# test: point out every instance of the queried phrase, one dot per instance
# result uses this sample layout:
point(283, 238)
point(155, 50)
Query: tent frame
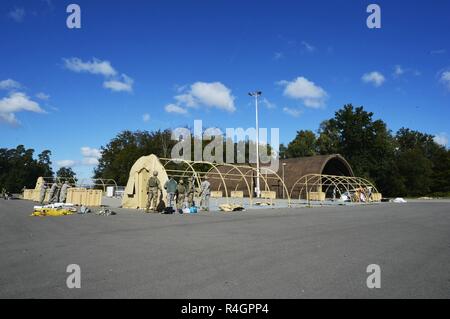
point(233, 173)
point(91, 182)
point(323, 183)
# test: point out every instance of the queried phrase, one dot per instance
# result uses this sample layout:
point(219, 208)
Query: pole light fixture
point(256, 94)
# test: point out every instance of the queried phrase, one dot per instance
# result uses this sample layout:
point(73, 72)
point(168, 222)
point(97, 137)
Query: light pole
point(284, 164)
point(256, 94)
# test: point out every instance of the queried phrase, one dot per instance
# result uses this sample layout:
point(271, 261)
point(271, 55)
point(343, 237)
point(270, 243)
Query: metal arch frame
point(243, 177)
point(214, 170)
point(272, 172)
point(279, 179)
point(58, 179)
point(194, 172)
point(349, 183)
point(234, 167)
point(104, 182)
point(191, 164)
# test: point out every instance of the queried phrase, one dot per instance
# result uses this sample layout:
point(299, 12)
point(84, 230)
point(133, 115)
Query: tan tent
point(135, 195)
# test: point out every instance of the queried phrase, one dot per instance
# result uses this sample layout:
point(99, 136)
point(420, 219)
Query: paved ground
point(274, 253)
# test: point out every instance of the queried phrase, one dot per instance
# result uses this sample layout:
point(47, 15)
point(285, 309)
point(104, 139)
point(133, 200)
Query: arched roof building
point(294, 168)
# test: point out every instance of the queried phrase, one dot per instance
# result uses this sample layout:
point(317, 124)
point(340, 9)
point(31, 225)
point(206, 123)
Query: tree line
point(19, 169)
point(407, 163)
point(404, 163)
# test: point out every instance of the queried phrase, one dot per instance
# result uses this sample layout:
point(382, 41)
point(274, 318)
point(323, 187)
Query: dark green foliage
point(119, 155)
point(304, 144)
point(19, 169)
point(66, 174)
point(408, 163)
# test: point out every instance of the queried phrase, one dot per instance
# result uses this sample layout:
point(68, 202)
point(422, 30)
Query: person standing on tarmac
point(153, 187)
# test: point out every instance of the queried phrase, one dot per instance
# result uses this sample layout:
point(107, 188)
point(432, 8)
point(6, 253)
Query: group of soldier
point(57, 192)
point(179, 195)
point(5, 194)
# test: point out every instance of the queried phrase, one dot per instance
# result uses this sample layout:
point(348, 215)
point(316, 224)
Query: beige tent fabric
point(34, 194)
point(39, 183)
point(135, 195)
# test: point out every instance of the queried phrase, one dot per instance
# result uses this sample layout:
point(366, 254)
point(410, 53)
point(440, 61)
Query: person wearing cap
point(42, 193)
point(205, 193)
point(191, 192)
point(171, 187)
point(63, 193)
point(53, 193)
point(181, 194)
point(153, 187)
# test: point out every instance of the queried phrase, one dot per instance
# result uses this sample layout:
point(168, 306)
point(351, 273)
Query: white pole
point(258, 192)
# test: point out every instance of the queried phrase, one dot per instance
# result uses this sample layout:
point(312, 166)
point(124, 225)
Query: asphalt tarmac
point(319, 252)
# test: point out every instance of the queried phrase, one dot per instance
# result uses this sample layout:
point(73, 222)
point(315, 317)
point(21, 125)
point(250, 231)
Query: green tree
point(423, 163)
point(366, 143)
point(304, 144)
point(119, 155)
point(19, 169)
point(45, 164)
point(416, 170)
point(66, 174)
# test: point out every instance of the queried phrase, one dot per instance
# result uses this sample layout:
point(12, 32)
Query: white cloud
point(292, 112)
point(375, 78)
point(301, 88)
point(66, 163)
point(267, 103)
point(213, 95)
point(17, 102)
point(18, 14)
point(95, 66)
point(9, 84)
point(398, 70)
point(43, 96)
point(90, 158)
point(89, 161)
point(87, 151)
point(124, 85)
point(146, 117)
point(9, 118)
point(113, 81)
point(186, 99)
point(173, 108)
point(441, 139)
point(308, 47)
point(445, 78)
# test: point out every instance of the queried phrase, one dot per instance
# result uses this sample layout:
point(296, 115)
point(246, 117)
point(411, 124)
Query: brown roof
point(295, 168)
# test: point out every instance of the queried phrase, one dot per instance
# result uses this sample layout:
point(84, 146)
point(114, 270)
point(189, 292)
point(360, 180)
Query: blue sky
point(162, 64)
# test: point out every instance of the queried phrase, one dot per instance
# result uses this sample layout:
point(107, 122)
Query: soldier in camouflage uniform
point(181, 194)
point(63, 192)
point(153, 188)
point(42, 193)
point(191, 192)
point(205, 193)
point(53, 195)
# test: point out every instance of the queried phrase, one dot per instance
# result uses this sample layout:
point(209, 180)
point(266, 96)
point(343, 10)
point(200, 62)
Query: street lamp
point(284, 164)
point(256, 94)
